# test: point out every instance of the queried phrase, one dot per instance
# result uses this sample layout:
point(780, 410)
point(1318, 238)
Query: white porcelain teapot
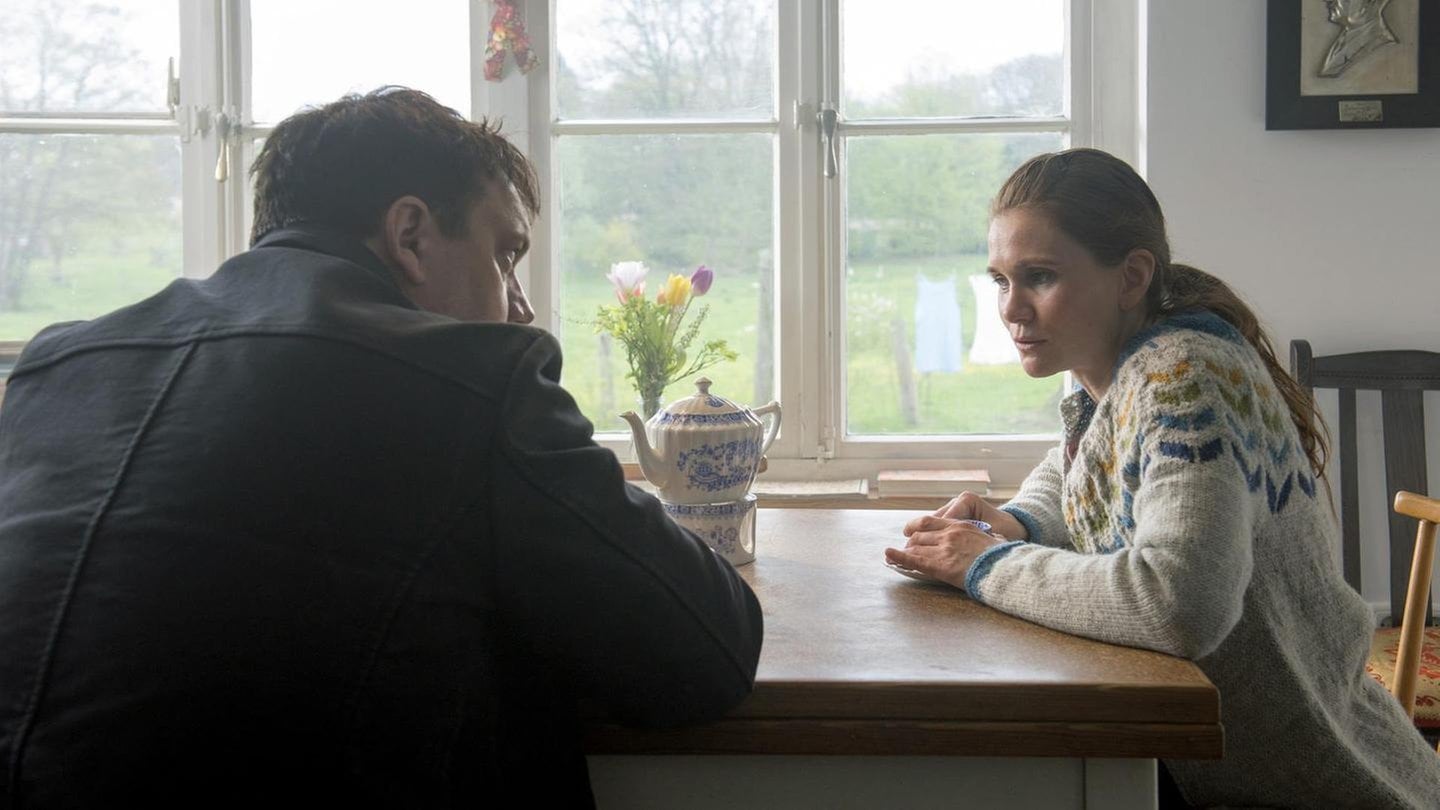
point(703, 448)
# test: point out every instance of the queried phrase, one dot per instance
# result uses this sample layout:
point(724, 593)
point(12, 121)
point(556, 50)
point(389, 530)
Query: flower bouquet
point(656, 338)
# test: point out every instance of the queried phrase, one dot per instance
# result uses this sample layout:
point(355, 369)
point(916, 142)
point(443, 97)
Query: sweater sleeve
point(1178, 586)
point(638, 614)
point(1037, 504)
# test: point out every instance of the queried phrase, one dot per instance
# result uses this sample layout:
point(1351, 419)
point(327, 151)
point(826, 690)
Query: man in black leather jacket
point(326, 526)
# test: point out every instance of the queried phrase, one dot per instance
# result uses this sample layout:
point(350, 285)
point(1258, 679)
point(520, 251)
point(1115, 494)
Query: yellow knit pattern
point(1193, 402)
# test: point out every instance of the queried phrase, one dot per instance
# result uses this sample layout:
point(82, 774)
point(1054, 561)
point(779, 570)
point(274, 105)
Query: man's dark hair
point(343, 164)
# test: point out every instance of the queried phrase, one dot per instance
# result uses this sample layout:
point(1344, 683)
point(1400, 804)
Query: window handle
point(222, 134)
point(172, 87)
point(829, 121)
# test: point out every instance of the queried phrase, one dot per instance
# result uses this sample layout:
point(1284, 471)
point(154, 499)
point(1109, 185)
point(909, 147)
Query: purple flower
point(701, 280)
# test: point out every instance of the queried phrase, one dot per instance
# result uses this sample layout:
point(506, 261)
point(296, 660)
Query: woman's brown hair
point(1099, 201)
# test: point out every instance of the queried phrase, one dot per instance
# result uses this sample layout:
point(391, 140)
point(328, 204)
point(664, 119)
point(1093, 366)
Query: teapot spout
point(655, 472)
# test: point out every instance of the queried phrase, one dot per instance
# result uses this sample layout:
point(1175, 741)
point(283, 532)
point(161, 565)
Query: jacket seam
point(397, 601)
point(228, 334)
point(402, 593)
point(47, 655)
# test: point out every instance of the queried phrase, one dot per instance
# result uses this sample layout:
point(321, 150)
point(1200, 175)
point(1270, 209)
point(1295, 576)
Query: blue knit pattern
point(983, 563)
point(1032, 526)
point(1188, 390)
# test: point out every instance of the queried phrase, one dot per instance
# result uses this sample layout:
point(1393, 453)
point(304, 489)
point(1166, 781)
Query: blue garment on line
point(938, 344)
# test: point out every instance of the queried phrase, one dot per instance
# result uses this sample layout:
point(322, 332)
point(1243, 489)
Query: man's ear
point(1136, 274)
point(404, 232)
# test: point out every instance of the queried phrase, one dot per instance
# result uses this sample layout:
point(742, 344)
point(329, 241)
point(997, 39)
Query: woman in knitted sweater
point(1182, 512)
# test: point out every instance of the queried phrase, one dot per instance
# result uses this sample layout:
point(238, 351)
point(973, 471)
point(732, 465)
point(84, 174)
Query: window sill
point(1009, 461)
point(849, 493)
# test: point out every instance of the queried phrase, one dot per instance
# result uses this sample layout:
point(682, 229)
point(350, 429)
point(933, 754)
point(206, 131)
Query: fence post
point(607, 378)
point(905, 370)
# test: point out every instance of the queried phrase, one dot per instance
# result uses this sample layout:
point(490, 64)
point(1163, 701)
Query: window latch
point(222, 133)
point(826, 448)
point(172, 87)
point(829, 120)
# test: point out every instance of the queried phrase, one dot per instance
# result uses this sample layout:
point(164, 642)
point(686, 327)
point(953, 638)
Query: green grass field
point(123, 267)
point(115, 267)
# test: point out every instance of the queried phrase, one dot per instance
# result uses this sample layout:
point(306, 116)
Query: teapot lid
point(703, 407)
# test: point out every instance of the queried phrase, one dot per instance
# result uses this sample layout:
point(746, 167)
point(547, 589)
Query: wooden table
point(921, 690)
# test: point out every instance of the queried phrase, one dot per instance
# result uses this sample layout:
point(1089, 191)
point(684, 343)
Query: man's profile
point(1362, 30)
point(324, 527)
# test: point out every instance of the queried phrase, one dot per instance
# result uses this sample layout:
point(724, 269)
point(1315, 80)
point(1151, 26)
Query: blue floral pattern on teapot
point(703, 448)
point(717, 467)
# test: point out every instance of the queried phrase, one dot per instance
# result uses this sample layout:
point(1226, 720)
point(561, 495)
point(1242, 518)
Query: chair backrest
point(1402, 377)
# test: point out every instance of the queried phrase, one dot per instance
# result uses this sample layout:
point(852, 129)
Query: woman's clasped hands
point(944, 544)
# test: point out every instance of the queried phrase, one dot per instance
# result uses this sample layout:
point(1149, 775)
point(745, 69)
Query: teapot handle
point(773, 408)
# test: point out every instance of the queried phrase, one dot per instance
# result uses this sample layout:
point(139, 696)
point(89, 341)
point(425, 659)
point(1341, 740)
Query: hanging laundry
point(938, 344)
point(992, 345)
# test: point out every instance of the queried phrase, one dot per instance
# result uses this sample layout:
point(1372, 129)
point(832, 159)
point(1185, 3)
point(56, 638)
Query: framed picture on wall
point(1352, 64)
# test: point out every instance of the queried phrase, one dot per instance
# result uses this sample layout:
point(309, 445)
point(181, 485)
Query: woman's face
point(1065, 311)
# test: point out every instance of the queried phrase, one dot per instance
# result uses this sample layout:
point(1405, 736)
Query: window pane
point(924, 59)
point(426, 47)
point(673, 202)
point(926, 349)
point(88, 223)
point(665, 59)
point(60, 57)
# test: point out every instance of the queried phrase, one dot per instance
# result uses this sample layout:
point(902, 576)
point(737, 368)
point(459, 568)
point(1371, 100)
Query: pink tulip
point(701, 280)
point(628, 278)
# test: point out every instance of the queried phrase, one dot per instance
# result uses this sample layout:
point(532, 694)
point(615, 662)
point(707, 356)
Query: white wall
point(1333, 236)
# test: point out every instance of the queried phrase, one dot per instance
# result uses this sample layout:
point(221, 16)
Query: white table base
point(895, 783)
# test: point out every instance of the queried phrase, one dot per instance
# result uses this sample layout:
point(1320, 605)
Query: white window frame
point(206, 77)
point(206, 233)
point(210, 119)
point(1102, 110)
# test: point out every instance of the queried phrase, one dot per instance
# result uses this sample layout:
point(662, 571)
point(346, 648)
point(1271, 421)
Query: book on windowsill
point(926, 483)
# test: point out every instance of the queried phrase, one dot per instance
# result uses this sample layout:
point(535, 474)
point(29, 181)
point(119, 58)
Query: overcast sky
point(427, 46)
point(885, 41)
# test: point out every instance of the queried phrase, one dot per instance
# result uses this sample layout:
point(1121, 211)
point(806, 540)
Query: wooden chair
point(1401, 377)
point(1412, 625)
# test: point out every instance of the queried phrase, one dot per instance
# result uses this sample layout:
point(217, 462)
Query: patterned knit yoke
point(1219, 408)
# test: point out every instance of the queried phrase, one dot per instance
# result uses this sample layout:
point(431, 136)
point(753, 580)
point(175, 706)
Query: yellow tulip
point(675, 292)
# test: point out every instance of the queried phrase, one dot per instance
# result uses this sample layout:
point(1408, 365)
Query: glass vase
point(650, 393)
